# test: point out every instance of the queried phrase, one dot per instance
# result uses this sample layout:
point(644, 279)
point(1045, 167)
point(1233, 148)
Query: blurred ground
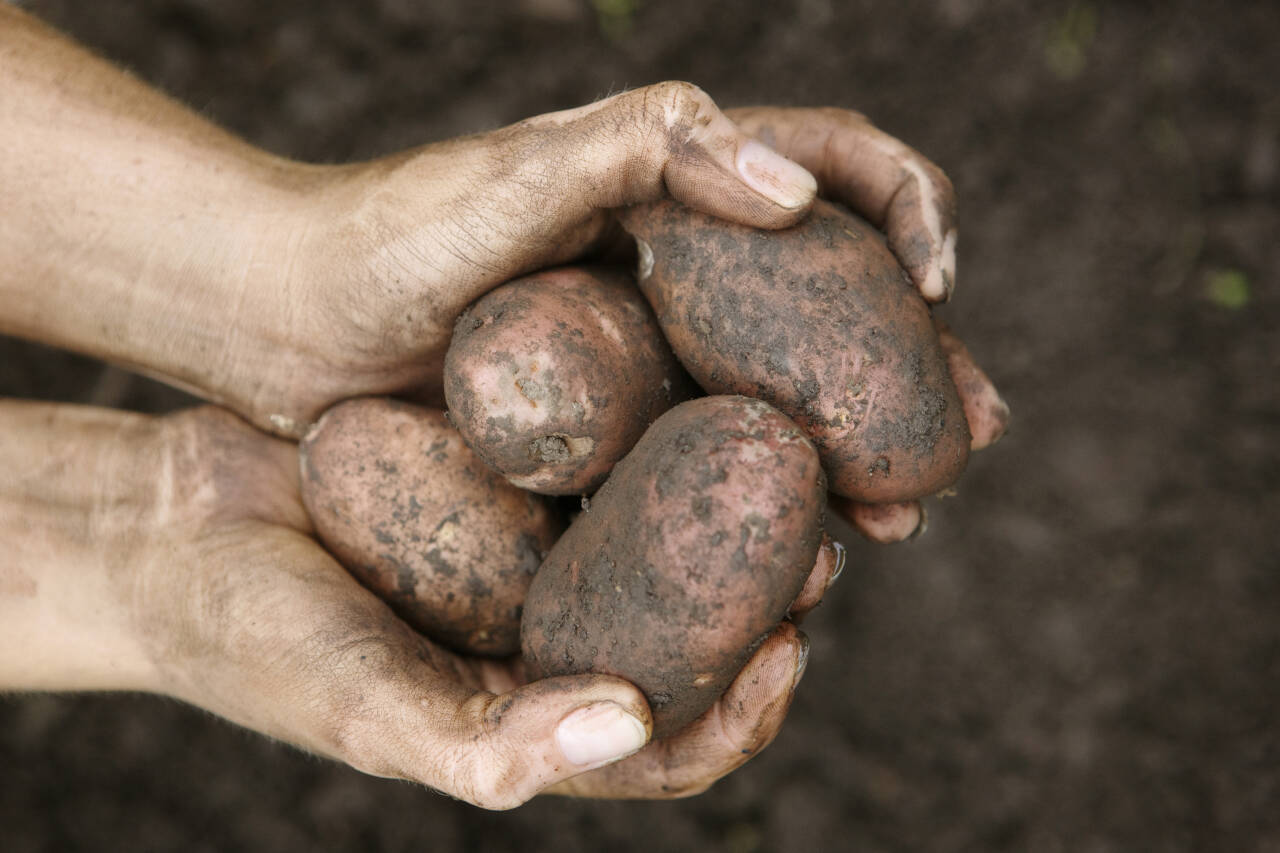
point(1083, 653)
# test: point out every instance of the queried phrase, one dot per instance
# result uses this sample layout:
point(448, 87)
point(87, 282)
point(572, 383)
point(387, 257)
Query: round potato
point(553, 377)
point(403, 503)
point(820, 321)
point(686, 558)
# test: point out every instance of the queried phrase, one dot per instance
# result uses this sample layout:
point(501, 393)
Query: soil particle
point(549, 448)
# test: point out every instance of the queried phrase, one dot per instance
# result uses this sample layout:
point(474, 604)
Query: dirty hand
point(141, 233)
point(174, 555)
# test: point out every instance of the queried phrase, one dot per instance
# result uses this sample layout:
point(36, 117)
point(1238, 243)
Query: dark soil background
point(1083, 653)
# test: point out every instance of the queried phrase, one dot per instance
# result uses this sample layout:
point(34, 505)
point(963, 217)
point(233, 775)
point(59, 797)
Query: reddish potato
point(820, 321)
point(553, 377)
point(402, 502)
point(685, 560)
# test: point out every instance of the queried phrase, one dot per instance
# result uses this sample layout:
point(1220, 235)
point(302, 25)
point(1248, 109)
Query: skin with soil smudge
point(402, 502)
point(687, 557)
point(820, 321)
point(553, 377)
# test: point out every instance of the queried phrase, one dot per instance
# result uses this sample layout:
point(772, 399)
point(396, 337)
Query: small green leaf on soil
point(1228, 288)
point(1066, 50)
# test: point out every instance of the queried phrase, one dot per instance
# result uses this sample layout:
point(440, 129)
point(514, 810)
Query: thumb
point(509, 747)
point(442, 225)
point(665, 139)
point(498, 750)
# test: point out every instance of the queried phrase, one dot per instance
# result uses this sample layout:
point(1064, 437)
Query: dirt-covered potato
point(820, 321)
point(685, 559)
point(403, 503)
point(553, 377)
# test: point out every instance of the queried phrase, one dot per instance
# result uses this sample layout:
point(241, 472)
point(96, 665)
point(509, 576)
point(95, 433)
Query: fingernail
point(947, 263)
point(802, 661)
point(1003, 414)
point(599, 733)
point(922, 526)
point(644, 260)
point(841, 556)
point(770, 174)
point(998, 413)
point(940, 275)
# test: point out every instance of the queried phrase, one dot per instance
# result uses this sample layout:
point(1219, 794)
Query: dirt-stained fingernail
point(922, 526)
point(767, 172)
point(947, 263)
point(802, 661)
point(841, 555)
point(1002, 415)
point(644, 260)
point(599, 733)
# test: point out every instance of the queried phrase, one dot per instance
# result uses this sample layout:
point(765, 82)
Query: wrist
point(137, 232)
point(74, 515)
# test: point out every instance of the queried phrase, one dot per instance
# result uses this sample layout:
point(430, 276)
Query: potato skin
point(820, 321)
point(686, 558)
point(411, 512)
point(553, 377)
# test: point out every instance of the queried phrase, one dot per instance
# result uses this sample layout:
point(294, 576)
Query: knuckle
point(193, 479)
point(211, 467)
point(490, 776)
point(839, 116)
point(677, 107)
point(681, 93)
point(495, 799)
point(351, 739)
point(691, 789)
point(942, 184)
point(681, 783)
point(485, 768)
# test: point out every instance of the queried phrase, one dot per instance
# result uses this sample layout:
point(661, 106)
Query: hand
point(549, 183)
point(279, 288)
point(138, 232)
point(443, 224)
point(174, 555)
point(541, 196)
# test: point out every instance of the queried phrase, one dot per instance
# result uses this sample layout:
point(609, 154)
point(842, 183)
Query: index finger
point(889, 183)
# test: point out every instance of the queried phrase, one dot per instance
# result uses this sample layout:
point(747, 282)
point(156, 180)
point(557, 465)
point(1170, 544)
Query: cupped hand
point(157, 240)
point(439, 226)
point(396, 248)
point(237, 609)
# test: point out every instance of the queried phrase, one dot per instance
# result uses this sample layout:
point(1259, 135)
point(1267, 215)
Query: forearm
point(68, 501)
point(135, 231)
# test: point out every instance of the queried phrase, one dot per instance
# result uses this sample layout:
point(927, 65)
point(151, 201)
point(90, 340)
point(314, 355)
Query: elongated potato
point(553, 377)
point(820, 321)
point(686, 558)
point(406, 506)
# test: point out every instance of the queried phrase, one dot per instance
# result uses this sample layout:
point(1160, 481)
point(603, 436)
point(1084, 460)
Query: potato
point(685, 559)
point(411, 512)
point(820, 321)
point(553, 377)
